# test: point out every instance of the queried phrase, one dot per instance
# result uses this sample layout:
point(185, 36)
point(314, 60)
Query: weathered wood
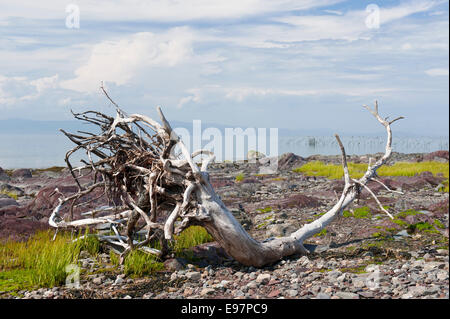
point(154, 185)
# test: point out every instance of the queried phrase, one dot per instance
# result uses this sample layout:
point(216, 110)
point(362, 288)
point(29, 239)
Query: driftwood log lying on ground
point(150, 187)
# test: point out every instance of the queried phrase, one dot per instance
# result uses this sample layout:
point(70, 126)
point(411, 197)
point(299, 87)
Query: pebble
point(194, 275)
point(263, 279)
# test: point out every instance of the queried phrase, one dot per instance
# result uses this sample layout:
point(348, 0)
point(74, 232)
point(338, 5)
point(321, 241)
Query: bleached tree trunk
point(180, 183)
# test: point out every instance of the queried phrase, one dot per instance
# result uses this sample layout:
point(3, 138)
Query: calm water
point(39, 151)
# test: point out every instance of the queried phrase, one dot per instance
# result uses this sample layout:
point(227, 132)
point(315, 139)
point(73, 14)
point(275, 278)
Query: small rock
point(274, 293)
point(98, 280)
point(263, 279)
point(347, 295)
point(173, 264)
point(118, 281)
point(207, 291)
point(292, 292)
point(194, 275)
point(322, 295)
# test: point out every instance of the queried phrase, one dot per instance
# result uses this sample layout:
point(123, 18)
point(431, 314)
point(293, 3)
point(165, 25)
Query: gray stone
point(263, 278)
point(193, 275)
point(8, 202)
point(118, 281)
point(322, 295)
point(347, 295)
point(207, 291)
point(98, 280)
point(173, 264)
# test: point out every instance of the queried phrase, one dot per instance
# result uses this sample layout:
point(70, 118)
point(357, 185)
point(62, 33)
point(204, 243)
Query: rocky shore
point(367, 256)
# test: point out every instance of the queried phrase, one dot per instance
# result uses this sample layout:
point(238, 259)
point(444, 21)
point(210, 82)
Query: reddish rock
point(15, 228)
point(8, 201)
point(440, 208)
point(298, 201)
point(290, 161)
point(218, 183)
point(274, 293)
point(438, 154)
point(211, 253)
point(12, 210)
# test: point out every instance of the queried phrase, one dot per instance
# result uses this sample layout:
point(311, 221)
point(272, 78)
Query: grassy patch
point(318, 168)
point(409, 212)
point(138, 263)
point(40, 262)
point(356, 170)
point(438, 224)
point(400, 222)
point(240, 177)
point(422, 227)
point(360, 212)
point(54, 169)
point(323, 232)
point(10, 194)
point(267, 209)
point(191, 237)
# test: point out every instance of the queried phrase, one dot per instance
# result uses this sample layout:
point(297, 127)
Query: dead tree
point(154, 188)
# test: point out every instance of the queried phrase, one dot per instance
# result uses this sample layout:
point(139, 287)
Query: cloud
point(437, 72)
point(157, 10)
point(349, 26)
point(19, 88)
point(118, 61)
point(240, 94)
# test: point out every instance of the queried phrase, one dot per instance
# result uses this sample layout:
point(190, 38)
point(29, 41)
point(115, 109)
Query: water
point(45, 150)
point(359, 145)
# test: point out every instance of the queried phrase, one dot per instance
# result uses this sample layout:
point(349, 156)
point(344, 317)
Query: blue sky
point(251, 63)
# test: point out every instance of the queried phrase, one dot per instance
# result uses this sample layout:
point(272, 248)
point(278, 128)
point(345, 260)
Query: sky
point(288, 64)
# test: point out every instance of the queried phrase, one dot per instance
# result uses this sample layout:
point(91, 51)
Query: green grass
point(10, 194)
point(54, 169)
point(439, 224)
point(323, 232)
point(360, 212)
point(240, 177)
point(318, 168)
point(409, 212)
point(40, 262)
point(356, 170)
point(138, 263)
point(267, 209)
point(191, 237)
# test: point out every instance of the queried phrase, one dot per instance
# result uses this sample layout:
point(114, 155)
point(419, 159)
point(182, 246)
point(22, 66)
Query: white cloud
point(195, 96)
point(437, 72)
point(118, 61)
point(156, 10)
point(239, 94)
point(19, 88)
point(349, 26)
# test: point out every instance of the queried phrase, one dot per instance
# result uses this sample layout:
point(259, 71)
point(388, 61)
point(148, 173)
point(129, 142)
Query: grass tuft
point(357, 170)
point(40, 262)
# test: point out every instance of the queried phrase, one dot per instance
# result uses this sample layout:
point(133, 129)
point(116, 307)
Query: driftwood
point(152, 188)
